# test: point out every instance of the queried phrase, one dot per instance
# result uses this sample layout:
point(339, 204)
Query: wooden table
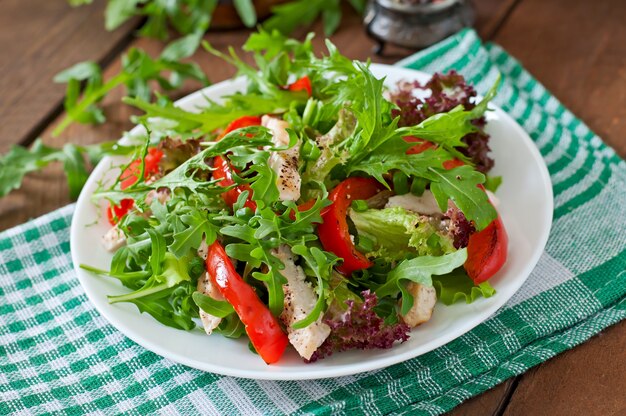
point(576, 48)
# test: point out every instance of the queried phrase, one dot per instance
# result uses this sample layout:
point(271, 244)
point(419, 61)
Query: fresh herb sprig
point(138, 69)
point(185, 15)
point(20, 161)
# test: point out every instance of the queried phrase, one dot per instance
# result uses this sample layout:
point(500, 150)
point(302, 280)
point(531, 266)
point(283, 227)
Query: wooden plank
point(491, 15)
point(488, 403)
point(587, 380)
point(38, 39)
point(577, 49)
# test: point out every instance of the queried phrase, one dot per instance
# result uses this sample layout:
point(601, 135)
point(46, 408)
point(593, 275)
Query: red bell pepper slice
point(116, 212)
point(333, 231)
point(486, 251)
point(129, 177)
point(224, 171)
point(262, 327)
point(241, 122)
point(420, 146)
point(151, 166)
point(302, 84)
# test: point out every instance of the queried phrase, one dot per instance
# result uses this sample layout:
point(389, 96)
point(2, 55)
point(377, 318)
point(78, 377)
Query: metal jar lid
point(415, 24)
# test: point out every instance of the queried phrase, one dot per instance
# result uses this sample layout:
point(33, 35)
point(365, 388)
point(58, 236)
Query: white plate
point(525, 205)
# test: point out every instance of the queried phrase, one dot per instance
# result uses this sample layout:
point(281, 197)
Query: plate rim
point(345, 369)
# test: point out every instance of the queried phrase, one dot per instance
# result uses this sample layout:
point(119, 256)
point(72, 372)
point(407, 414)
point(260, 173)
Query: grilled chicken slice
point(424, 299)
point(162, 195)
point(284, 162)
point(206, 286)
point(424, 205)
point(300, 299)
point(113, 239)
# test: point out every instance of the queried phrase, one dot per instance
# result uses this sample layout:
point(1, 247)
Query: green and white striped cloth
point(58, 355)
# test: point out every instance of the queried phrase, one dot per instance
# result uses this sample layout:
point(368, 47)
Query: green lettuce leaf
point(398, 233)
point(457, 286)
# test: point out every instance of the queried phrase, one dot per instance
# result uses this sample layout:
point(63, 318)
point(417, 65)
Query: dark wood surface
point(38, 39)
point(576, 48)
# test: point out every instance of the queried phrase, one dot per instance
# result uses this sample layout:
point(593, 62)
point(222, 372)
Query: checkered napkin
point(57, 354)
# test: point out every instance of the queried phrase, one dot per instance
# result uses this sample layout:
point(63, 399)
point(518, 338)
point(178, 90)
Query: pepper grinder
point(415, 24)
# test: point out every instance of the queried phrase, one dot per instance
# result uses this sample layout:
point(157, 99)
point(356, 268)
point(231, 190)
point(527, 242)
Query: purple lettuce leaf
point(359, 327)
point(447, 92)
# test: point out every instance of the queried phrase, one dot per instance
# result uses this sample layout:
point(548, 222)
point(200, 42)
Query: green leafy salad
point(316, 209)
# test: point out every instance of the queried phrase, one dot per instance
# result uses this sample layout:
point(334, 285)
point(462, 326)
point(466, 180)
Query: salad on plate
point(316, 210)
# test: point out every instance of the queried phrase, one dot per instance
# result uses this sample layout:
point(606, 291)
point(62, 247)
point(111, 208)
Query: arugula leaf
point(165, 295)
point(133, 280)
point(378, 164)
point(119, 11)
point(446, 129)
point(331, 17)
point(246, 11)
point(183, 47)
point(259, 251)
point(231, 327)
point(271, 41)
point(291, 15)
point(321, 264)
point(253, 236)
point(372, 112)
point(218, 308)
point(173, 272)
point(457, 285)
point(168, 306)
point(460, 185)
point(492, 183)
point(288, 16)
point(214, 115)
point(198, 226)
point(358, 5)
point(419, 270)
point(262, 178)
point(138, 69)
point(75, 170)
point(185, 176)
point(20, 161)
point(274, 281)
point(157, 257)
point(82, 71)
